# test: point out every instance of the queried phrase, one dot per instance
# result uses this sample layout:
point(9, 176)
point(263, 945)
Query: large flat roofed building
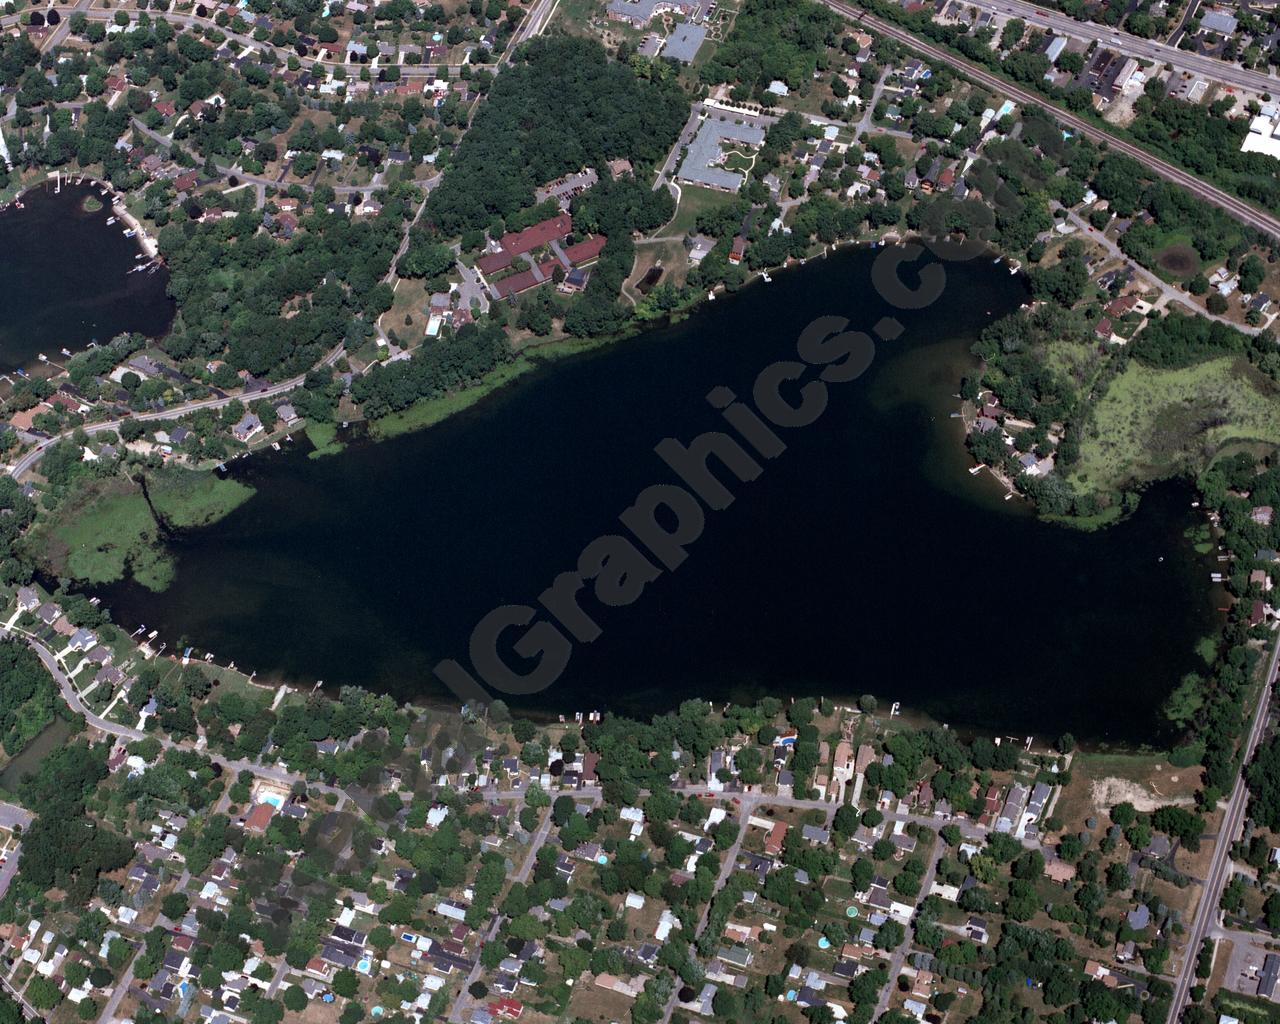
point(641, 12)
point(1264, 136)
point(684, 41)
point(701, 164)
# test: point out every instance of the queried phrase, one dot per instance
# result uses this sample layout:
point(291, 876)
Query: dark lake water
point(67, 281)
point(864, 559)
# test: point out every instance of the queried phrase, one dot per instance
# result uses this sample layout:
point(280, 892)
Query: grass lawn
point(1177, 260)
point(1154, 423)
point(410, 299)
point(693, 201)
point(1100, 781)
point(107, 531)
point(575, 14)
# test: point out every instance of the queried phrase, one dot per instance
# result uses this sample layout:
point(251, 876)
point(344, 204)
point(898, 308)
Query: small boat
point(130, 233)
point(111, 220)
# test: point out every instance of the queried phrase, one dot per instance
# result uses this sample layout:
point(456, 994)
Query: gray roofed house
point(1011, 814)
point(739, 956)
point(338, 957)
point(83, 639)
point(248, 426)
point(1039, 797)
point(815, 834)
point(1267, 977)
point(1139, 917)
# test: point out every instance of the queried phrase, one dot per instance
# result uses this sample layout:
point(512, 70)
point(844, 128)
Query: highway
point(1220, 869)
point(1130, 45)
point(1238, 208)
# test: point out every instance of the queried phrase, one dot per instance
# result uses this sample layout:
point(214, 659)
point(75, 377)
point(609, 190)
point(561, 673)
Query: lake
point(865, 558)
point(67, 278)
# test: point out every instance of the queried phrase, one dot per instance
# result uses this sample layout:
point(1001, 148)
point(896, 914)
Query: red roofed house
point(24, 418)
point(1119, 307)
point(508, 1007)
point(186, 182)
point(166, 108)
point(773, 842)
point(64, 402)
point(259, 818)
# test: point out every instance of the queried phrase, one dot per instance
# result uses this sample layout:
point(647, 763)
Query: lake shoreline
point(537, 353)
point(74, 279)
point(453, 509)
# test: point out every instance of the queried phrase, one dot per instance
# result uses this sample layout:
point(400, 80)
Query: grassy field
point(107, 531)
point(693, 201)
point(1152, 423)
point(1176, 258)
point(1099, 781)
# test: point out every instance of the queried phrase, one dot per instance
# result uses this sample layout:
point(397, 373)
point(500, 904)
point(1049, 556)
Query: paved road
point(121, 989)
point(1220, 867)
point(273, 773)
point(899, 955)
point(1169, 293)
point(1238, 208)
point(37, 453)
point(1151, 50)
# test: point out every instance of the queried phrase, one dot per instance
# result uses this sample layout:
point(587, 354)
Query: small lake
point(865, 558)
point(53, 736)
point(67, 279)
